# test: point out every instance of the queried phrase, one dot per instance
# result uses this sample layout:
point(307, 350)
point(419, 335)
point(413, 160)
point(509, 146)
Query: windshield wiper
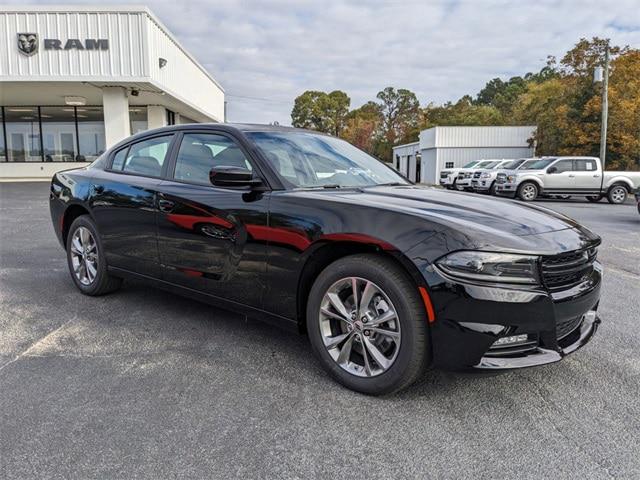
point(390, 184)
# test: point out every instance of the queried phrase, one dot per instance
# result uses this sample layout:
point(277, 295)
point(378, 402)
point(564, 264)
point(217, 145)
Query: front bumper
point(480, 185)
point(508, 188)
point(447, 181)
point(471, 317)
point(463, 183)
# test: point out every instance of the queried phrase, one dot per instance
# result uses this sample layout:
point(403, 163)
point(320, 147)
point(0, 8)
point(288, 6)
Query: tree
point(400, 111)
point(363, 127)
point(324, 112)
point(463, 112)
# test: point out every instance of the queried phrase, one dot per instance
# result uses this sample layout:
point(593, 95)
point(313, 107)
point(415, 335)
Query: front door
point(123, 201)
point(562, 179)
point(205, 233)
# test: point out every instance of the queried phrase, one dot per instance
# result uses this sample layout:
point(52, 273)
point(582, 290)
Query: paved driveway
point(145, 384)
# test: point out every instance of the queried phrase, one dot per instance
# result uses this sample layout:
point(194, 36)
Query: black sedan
point(306, 231)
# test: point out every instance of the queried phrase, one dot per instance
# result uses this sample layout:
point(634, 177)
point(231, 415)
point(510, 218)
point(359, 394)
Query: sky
point(265, 53)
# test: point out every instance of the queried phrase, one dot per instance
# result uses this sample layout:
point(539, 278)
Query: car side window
point(200, 152)
point(146, 157)
point(118, 159)
point(563, 166)
point(584, 165)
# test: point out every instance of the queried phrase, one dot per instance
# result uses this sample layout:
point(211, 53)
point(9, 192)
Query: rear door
point(587, 176)
point(123, 200)
point(208, 237)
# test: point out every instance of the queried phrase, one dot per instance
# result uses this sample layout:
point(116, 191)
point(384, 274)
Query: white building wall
point(429, 166)
point(485, 136)
point(182, 77)
point(124, 59)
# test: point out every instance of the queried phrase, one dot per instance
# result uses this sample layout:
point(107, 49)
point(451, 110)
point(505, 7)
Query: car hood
point(462, 211)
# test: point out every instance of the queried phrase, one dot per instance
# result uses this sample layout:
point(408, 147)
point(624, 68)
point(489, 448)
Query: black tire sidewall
point(101, 277)
point(413, 325)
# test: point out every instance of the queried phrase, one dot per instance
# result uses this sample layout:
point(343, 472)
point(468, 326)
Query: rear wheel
point(86, 260)
point(367, 324)
point(617, 194)
point(528, 191)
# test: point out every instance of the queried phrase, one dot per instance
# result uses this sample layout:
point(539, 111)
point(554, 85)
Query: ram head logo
point(28, 43)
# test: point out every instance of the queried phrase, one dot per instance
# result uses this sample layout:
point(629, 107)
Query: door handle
point(97, 188)
point(166, 205)
point(596, 176)
point(571, 176)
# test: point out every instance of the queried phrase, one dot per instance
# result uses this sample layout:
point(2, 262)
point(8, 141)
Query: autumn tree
point(363, 127)
point(464, 112)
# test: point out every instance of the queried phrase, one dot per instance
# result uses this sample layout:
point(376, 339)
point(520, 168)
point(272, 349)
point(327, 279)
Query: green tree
point(400, 111)
point(324, 112)
point(463, 112)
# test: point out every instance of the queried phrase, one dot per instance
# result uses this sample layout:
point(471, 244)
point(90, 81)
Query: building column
point(156, 116)
point(116, 115)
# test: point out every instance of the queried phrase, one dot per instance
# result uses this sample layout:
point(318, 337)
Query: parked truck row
point(531, 178)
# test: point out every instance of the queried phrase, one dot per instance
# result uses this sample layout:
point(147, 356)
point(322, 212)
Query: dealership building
point(74, 81)
point(452, 147)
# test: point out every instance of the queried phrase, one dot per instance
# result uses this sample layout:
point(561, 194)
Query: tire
point(617, 194)
point(101, 282)
point(409, 353)
point(492, 188)
point(528, 191)
point(594, 199)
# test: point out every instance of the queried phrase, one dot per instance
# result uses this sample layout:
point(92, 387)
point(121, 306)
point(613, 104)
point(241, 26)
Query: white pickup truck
point(573, 176)
point(460, 178)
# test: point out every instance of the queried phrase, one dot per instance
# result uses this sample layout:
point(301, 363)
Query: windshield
point(470, 164)
point(538, 164)
point(512, 164)
point(482, 164)
point(308, 160)
point(491, 165)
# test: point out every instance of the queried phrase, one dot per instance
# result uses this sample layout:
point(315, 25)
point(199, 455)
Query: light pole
point(602, 74)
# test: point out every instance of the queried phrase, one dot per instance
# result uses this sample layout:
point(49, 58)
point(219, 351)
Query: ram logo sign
point(28, 44)
point(75, 44)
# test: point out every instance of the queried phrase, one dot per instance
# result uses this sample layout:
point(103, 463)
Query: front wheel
point(86, 260)
point(367, 324)
point(617, 194)
point(528, 191)
point(492, 188)
point(594, 199)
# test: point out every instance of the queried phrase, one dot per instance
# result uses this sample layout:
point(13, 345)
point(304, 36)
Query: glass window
point(563, 166)
point(3, 150)
point(200, 152)
point(59, 134)
point(537, 164)
point(23, 134)
point(147, 157)
point(118, 159)
point(138, 119)
point(584, 165)
point(91, 133)
point(299, 157)
point(448, 165)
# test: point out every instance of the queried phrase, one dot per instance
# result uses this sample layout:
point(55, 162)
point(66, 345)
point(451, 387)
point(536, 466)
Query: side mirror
point(552, 170)
point(223, 176)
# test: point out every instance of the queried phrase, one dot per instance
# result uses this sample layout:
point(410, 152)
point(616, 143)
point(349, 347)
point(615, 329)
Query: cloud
point(265, 53)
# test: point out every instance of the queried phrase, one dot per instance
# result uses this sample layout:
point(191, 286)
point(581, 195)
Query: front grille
point(565, 327)
point(501, 178)
point(567, 269)
point(477, 174)
point(460, 176)
point(444, 174)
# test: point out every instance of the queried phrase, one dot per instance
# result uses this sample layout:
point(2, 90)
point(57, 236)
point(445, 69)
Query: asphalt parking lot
point(145, 384)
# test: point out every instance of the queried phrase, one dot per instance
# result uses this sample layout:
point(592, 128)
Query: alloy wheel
point(529, 192)
point(618, 195)
point(84, 256)
point(360, 327)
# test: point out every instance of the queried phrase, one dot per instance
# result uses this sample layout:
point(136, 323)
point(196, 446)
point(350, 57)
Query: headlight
point(485, 175)
point(467, 175)
point(511, 178)
point(491, 267)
